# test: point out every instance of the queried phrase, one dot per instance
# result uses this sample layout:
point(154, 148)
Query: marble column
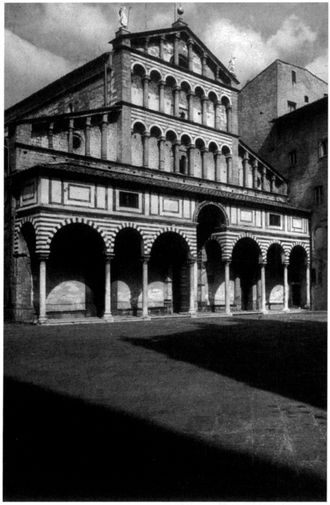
point(176, 48)
point(204, 65)
point(176, 91)
point(107, 295)
point(88, 137)
point(229, 118)
point(191, 159)
point(308, 286)
point(217, 165)
point(176, 152)
point(255, 173)
point(145, 138)
point(190, 96)
point(162, 153)
point(217, 115)
point(42, 288)
point(245, 169)
point(204, 110)
point(285, 288)
point(190, 55)
point(229, 162)
point(145, 81)
point(204, 152)
point(70, 136)
point(162, 96)
point(145, 314)
point(104, 137)
point(227, 288)
point(50, 135)
point(263, 288)
point(192, 310)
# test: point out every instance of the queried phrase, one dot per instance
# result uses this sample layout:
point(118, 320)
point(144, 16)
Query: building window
point(130, 200)
point(293, 158)
point(306, 99)
point(323, 148)
point(318, 195)
point(292, 106)
point(293, 77)
point(76, 142)
point(274, 220)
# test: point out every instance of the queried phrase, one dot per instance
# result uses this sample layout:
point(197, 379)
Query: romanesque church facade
point(130, 193)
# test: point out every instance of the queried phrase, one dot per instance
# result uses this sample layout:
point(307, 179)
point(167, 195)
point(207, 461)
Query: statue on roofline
point(232, 64)
point(123, 21)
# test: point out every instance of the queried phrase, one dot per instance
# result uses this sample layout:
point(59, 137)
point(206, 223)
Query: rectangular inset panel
point(246, 215)
point(79, 193)
point(233, 215)
point(297, 223)
point(154, 205)
point(171, 205)
point(101, 197)
point(44, 190)
point(186, 208)
point(258, 218)
point(56, 191)
point(28, 192)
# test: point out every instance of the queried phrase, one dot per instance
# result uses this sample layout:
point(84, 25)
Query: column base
point(192, 313)
point(146, 318)
point(264, 311)
point(228, 313)
point(108, 318)
point(286, 310)
point(42, 320)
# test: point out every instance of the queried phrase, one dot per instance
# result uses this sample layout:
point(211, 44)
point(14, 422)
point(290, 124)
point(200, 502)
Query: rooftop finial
point(180, 11)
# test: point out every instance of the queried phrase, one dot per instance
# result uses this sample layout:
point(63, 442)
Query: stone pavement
point(208, 409)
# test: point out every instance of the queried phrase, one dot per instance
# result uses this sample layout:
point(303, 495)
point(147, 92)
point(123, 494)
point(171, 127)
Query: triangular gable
point(137, 41)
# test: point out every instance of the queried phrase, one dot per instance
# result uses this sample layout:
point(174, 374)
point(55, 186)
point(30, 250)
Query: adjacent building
point(289, 129)
point(130, 193)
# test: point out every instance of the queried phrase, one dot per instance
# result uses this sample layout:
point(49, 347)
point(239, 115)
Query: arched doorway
point(169, 272)
point(75, 273)
point(297, 277)
point(126, 291)
point(210, 296)
point(246, 269)
point(275, 277)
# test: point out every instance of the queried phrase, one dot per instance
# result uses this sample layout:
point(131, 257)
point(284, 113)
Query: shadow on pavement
point(58, 448)
point(286, 358)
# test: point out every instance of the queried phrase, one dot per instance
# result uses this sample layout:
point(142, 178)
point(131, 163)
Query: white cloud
point(29, 68)
point(252, 51)
point(319, 67)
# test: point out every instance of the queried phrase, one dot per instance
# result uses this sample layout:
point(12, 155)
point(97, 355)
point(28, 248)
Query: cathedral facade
point(130, 193)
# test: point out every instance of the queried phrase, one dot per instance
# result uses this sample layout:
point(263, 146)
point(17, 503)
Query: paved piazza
point(221, 409)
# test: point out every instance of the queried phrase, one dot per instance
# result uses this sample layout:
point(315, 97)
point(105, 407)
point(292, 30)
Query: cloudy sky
point(44, 41)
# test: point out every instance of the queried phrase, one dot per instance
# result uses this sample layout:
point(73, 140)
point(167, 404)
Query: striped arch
point(227, 97)
point(155, 125)
point(114, 232)
point(221, 244)
point(294, 244)
point(155, 69)
point(138, 64)
point(138, 121)
point(78, 220)
point(262, 247)
point(212, 142)
point(227, 146)
point(166, 76)
point(171, 229)
point(18, 227)
point(276, 242)
point(205, 204)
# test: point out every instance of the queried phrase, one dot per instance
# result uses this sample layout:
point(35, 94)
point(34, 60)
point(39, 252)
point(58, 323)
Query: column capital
point(203, 98)
point(42, 256)
point(71, 123)
point(246, 155)
point(108, 256)
point(204, 149)
point(204, 56)
point(177, 88)
point(146, 78)
point(145, 259)
point(145, 135)
point(262, 262)
point(177, 35)
point(229, 156)
point(162, 83)
point(162, 37)
point(88, 122)
point(190, 41)
point(191, 146)
point(192, 260)
point(190, 93)
point(255, 163)
point(104, 119)
point(162, 139)
point(176, 142)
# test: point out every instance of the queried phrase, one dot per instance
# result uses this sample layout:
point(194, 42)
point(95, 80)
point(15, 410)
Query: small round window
point(77, 142)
